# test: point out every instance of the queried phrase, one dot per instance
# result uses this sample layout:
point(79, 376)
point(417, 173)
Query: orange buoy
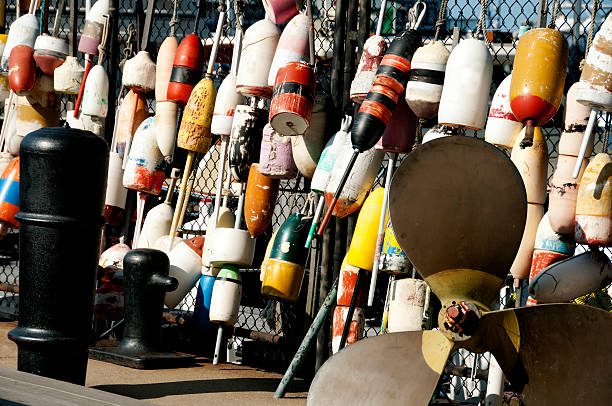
point(346, 286)
point(132, 112)
point(22, 70)
point(186, 69)
point(259, 201)
point(9, 196)
point(594, 205)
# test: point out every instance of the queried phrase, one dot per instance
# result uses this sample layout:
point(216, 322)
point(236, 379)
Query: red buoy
point(22, 70)
point(186, 69)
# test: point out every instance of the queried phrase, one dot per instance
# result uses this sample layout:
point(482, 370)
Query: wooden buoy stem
point(220, 175)
point(58, 17)
point(181, 196)
point(173, 178)
point(586, 139)
point(528, 140)
point(7, 113)
point(218, 344)
point(77, 105)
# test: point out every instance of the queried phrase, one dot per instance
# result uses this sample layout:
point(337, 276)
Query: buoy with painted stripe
point(94, 25)
point(564, 194)
point(307, 148)
point(575, 120)
point(23, 31)
point(95, 95)
point(139, 73)
point(400, 133)
point(259, 201)
point(323, 171)
point(281, 11)
point(275, 158)
point(9, 197)
point(393, 259)
point(373, 51)
point(185, 265)
point(186, 69)
point(132, 112)
point(157, 221)
point(594, 205)
point(538, 77)
point(30, 117)
point(22, 70)
point(465, 94)
point(194, 133)
point(143, 170)
point(292, 46)
point(293, 98)
point(67, 77)
point(285, 271)
point(363, 244)
point(346, 286)
point(440, 131)
point(406, 305)
point(239, 252)
point(116, 194)
point(226, 294)
point(356, 328)
point(424, 87)
point(502, 125)
point(245, 139)
point(225, 105)
point(258, 47)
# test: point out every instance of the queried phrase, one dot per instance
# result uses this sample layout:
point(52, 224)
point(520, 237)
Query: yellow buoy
point(363, 244)
point(194, 133)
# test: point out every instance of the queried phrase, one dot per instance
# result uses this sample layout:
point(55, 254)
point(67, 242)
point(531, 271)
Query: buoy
point(465, 94)
point(95, 95)
point(400, 133)
point(43, 94)
point(109, 301)
point(9, 197)
point(293, 98)
point(307, 148)
point(165, 119)
point(424, 87)
point(225, 105)
point(23, 31)
point(363, 244)
point(502, 126)
point(292, 45)
point(522, 262)
point(281, 11)
point(245, 139)
point(564, 194)
point(356, 328)
point(275, 158)
point(225, 300)
point(259, 201)
point(185, 266)
point(132, 112)
point(406, 305)
point(94, 26)
point(186, 69)
point(258, 47)
point(393, 259)
point(139, 73)
point(285, 271)
point(158, 220)
point(5, 159)
point(439, 131)
point(575, 120)
point(165, 60)
point(532, 165)
point(143, 170)
point(67, 77)
point(113, 257)
point(538, 77)
point(239, 252)
point(194, 133)
point(50, 53)
point(201, 309)
point(339, 142)
point(22, 70)
point(30, 117)
point(346, 286)
point(594, 205)
point(373, 51)
point(357, 185)
point(116, 194)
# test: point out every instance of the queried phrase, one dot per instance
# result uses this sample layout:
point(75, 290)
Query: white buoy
point(139, 73)
point(95, 95)
point(158, 220)
point(239, 252)
point(23, 31)
point(67, 77)
point(340, 141)
point(502, 126)
point(116, 194)
point(406, 305)
point(143, 169)
point(440, 131)
point(225, 104)
point(165, 120)
point(185, 266)
point(292, 45)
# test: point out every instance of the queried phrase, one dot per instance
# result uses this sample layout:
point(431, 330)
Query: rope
point(554, 13)
point(237, 5)
point(484, 5)
point(591, 32)
point(102, 46)
point(173, 20)
point(43, 16)
point(441, 19)
point(606, 133)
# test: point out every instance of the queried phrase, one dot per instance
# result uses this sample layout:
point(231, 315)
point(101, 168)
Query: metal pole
point(327, 255)
point(312, 331)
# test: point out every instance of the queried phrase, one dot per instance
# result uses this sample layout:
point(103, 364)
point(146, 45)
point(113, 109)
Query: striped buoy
point(400, 133)
point(281, 11)
point(563, 194)
point(185, 266)
point(502, 126)
point(22, 70)
point(424, 87)
point(194, 132)
point(292, 46)
point(293, 98)
point(346, 286)
point(139, 73)
point(186, 69)
point(594, 205)
point(363, 245)
point(165, 61)
point(406, 305)
point(356, 327)
point(67, 78)
point(132, 112)
point(50, 53)
point(116, 194)
point(245, 140)
point(575, 119)
point(143, 170)
point(95, 95)
point(440, 131)
point(392, 258)
point(94, 25)
point(9, 196)
point(23, 31)
point(226, 294)
point(225, 105)
point(373, 51)
point(275, 158)
point(259, 201)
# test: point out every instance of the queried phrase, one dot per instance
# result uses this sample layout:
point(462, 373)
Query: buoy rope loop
point(591, 33)
point(102, 46)
point(606, 133)
point(173, 20)
point(554, 12)
point(441, 19)
point(480, 29)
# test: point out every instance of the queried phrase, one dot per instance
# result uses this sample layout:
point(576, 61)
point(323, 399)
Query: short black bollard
point(63, 183)
point(146, 283)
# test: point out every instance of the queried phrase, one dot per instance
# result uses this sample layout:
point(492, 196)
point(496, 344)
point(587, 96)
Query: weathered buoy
point(406, 305)
point(185, 266)
point(22, 70)
point(356, 328)
point(502, 125)
point(259, 201)
point(67, 77)
point(225, 105)
point(275, 158)
point(393, 259)
point(339, 142)
point(157, 221)
point(465, 94)
point(43, 94)
point(239, 252)
point(245, 139)
point(226, 294)
point(50, 53)
point(538, 76)
point(30, 117)
point(363, 244)
point(165, 60)
point(23, 31)
point(575, 120)
point(9, 196)
point(95, 95)
point(143, 170)
point(116, 194)
point(5, 159)
point(186, 69)
point(132, 112)
point(139, 73)
point(373, 51)
point(194, 133)
point(439, 131)
point(357, 185)
point(522, 262)
point(307, 148)
point(285, 271)
point(292, 46)
point(400, 133)
point(424, 87)
point(564, 194)
point(594, 205)
point(293, 98)
point(346, 286)
point(281, 11)
point(94, 25)
point(113, 257)
point(532, 165)
point(258, 47)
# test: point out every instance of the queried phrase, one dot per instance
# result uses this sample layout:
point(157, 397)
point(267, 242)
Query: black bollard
point(63, 183)
point(146, 283)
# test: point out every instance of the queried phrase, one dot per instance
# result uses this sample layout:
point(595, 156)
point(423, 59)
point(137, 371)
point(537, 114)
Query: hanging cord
point(102, 46)
point(480, 29)
point(43, 16)
point(238, 4)
point(127, 51)
point(441, 19)
point(591, 32)
point(554, 13)
point(606, 133)
point(173, 20)
point(414, 16)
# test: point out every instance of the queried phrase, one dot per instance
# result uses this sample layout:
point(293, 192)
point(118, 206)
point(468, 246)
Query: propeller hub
point(459, 320)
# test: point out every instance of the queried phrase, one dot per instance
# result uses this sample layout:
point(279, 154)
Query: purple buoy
point(276, 158)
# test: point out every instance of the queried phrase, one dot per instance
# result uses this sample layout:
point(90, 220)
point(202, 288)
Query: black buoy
point(63, 183)
point(146, 279)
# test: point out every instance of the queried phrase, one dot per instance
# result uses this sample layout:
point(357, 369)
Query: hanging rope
point(591, 32)
point(441, 19)
point(480, 29)
point(554, 13)
point(173, 20)
point(606, 133)
point(102, 46)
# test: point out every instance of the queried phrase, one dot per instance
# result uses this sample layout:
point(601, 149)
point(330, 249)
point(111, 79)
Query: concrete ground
point(203, 384)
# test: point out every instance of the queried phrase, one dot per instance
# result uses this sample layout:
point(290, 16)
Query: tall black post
point(350, 58)
point(337, 89)
point(62, 188)
point(113, 68)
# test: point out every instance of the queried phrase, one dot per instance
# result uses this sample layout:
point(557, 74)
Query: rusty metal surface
point(391, 369)
point(458, 203)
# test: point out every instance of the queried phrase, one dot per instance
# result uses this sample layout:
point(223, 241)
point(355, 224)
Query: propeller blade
point(571, 278)
point(458, 208)
point(391, 369)
point(556, 355)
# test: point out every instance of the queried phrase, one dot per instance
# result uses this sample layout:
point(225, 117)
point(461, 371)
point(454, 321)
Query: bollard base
point(147, 360)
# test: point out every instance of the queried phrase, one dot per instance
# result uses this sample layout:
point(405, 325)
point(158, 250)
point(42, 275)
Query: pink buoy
point(276, 157)
point(281, 11)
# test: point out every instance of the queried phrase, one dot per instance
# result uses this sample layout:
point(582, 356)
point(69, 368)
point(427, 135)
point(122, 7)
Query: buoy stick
point(173, 178)
point(181, 196)
point(315, 219)
point(220, 175)
point(381, 227)
point(349, 316)
point(77, 105)
point(139, 215)
point(381, 16)
point(218, 344)
point(332, 204)
point(496, 378)
point(586, 139)
point(385, 317)
point(215, 45)
point(240, 208)
point(7, 111)
point(58, 17)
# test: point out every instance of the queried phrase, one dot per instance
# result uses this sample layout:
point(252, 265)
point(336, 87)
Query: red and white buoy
point(23, 31)
point(51, 51)
point(158, 220)
point(185, 265)
point(143, 169)
point(502, 126)
point(293, 99)
point(356, 329)
point(292, 46)
point(116, 194)
point(594, 205)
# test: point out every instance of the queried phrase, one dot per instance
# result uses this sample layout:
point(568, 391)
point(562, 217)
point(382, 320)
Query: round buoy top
point(155, 261)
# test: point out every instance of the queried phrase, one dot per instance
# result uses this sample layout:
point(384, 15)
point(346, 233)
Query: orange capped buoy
point(292, 45)
point(293, 98)
point(259, 201)
point(594, 205)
